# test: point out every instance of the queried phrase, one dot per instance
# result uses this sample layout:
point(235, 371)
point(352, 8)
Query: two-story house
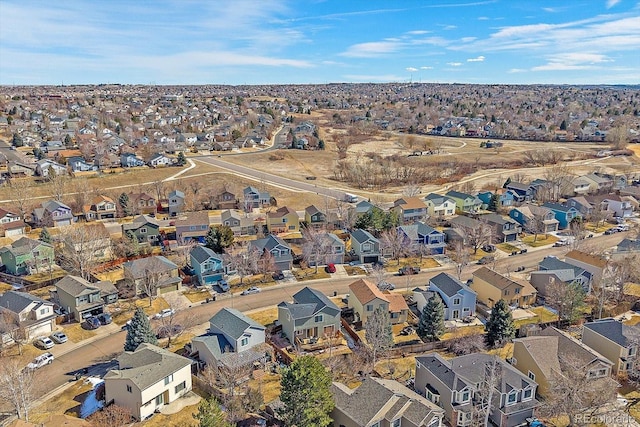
point(311, 315)
point(11, 223)
point(207, 265)
point(147, 379)
point(27, 256)
point(233, 339)
point(44, 167)
point(33, 315)
point(252, 198)
point(490, 287)
point(458, 298)
point(563, 213)
point(159, 159)
point(101, 207)
point(504, 229)
point(143, 203)
point(155, 274)
point(84, 299)
point(522, 192)
point(465, 202)
point(598, 183)
point(226, 200)
point(424, 237)
point(551, 270)
point(53, 214)
point(613, 203)
point(581, 204)
point(283, 220)
point(439, 206)
point(240, 225)
point(175, 202)
point(314, 217)
point(276, 248)
point(365, 246)
point(382, 403)
point(130, 160)
point(410, 209)
point(365, 297)
point(594, 264)
point(192, 226)
point(618, 342)
point(551, 352)
point(144, 228)
point(79, 164)
point(453, 385)
point(534, 218)
point(505, 197)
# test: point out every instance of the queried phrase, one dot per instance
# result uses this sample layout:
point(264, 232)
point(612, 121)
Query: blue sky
point(306, 41)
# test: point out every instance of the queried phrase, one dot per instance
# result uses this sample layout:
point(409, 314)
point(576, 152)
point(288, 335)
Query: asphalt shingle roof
point(448, 284)
point(75, 286)
point(233, 323)
point(17, 301)
point(614, 330)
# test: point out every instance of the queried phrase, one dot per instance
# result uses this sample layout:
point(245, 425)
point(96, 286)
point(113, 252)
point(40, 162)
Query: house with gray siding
point(459, 299)
point(144, 228)
point(311, 315)
point(365, 246)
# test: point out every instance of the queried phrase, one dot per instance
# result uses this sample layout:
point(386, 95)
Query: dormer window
point(465, 396)
point(512, 397)
point(527, 394)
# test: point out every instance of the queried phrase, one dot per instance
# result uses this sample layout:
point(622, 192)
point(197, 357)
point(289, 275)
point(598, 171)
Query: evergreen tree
point(67, 141)
point(306, 393)
point(431, 325)
point(123, 201)
point(499, 327)
point(132, 247)
point(493, 203)
point(16, 140)
point(563, 125)
point(219, 238)
point(38, 154)
point(45, 236)
point(139, 331)
point(507, 182)
point(321, 144)
point(182, 160)
point(210, 414)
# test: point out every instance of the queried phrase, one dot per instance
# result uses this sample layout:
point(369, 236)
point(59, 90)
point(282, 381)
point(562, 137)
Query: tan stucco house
point(491, 287)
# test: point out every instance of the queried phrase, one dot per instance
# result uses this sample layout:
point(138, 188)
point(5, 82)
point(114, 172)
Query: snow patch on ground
point(91, 403)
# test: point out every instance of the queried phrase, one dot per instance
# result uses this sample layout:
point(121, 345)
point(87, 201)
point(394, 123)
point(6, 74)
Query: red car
point(330, 268)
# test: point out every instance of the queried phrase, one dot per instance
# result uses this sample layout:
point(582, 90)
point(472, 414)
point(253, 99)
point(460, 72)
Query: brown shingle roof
point(366, 291)
point(594, 260)
point(396, 302)
point(493, 278)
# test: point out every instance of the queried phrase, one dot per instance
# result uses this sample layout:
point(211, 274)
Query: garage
point(370, 259)
point(168, 288)
point(41, 329)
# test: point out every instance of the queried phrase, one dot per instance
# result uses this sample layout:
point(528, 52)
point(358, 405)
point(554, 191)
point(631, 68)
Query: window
point(396, 423)
point(168, 379)
point(506, 291)
point(527, 394)
point(143, 230)
point(43, 311)
point(129, 388)
point(434, 422)
point(244, 341)
point(180, 387)
point(433, 397)
point(512, 398)
point(318, 318)
point(465, 396)
point(284, 220)
point(517, 291)
point(632, 351)
point(369, 307)
point(456, 301)
point(159, 400)
point(395, 315)
point(531, 375)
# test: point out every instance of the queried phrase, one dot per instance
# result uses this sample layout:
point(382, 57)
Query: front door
point(455, 314)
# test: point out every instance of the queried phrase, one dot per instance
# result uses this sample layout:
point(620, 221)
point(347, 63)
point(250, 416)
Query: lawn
point(76, 333)
point(157, 305)
point(197, 295)
point(635, 320)
point(114, 275)
point(632, 289)
point(265, 317)
point(67, 402)
point(542, 315)
point(423, 263)
point(184, 418)
point(354, 270)
point(506, 247)
point(303, 274)
point(269, 385)
point(122, 311)
point(504, 352)
point(397, 338)
point(41, 277)
point(400, 369)
point(4, 287)
point(541, 240)
point(600, 228)
point(256, 279)
point(634, 410)
point(462, 332)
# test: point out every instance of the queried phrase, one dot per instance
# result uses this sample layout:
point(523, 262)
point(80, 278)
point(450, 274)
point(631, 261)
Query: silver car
point(59, 337)
point(44, 343)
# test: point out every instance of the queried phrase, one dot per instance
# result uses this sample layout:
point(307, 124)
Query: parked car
point(224, 286)
point(167, 312)
point(468, 319)
point(104, 318)
point(91, 322)
point(406, 270)
point(330, 268)
point(561, 242)
point(44, 343)
point(40, 361)
point(407, 330)
point(611, 231)
point(251, 290)
point(386, 286)
point(278, 275)
point(489, 248)
point(59, 337)
point(623, 227)
point(485, 260)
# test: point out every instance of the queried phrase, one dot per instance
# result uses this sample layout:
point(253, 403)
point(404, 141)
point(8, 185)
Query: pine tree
point(139, 331)
point(431, 325)
point(123, 201)
point(210, 414)
point(182, 160)
point(45, 236)
point(67, 141)
point(507, 182)
point(306, 393)
point(500, 327)
point(16, 140)
point(219, 238)
point(493, 203)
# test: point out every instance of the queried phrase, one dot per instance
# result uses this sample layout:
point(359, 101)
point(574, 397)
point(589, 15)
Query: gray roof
point(76, 286)
point(448, 284)
point(438, 199)
point(363, 206)
point(140, 221)
point(147, 365)
point(614, 330)
point(233, 323)
point(308, 302)
point(558, 207)
point(627, 245)
point(268, 243)
point(442, 369)
point(202, 253)
point(24, 245)
point(465, 221)
point(553, 263)
point(362, 236)
point(17, 301)
point(417, 229)
point(139, 267)
point(564, 275)
point(106, 287)
point(472, 368)
point(460, 195)
point(497, 219)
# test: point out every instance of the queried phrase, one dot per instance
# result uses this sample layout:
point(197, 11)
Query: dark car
point(91, 322)
point(104, 318)
point(406, 270)
point(611, 231)
point(485, 260)
point(330, 268)
point(489, 248)
point(278, 275)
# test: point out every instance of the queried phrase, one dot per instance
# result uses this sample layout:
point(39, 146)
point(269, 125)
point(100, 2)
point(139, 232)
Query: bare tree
point(623, 271)
point(231, 383)
point(378, 273)
point(485, 391)
point(378, 333)
point(22, 194)
point(83, 247)
point(316, 246)
point(59, 184)
point(243, 260)
point(567, 299)
point(599, 216)
point(17, 386)
point(11, 329)
point(111, 416)
point(394, 243)
point(618, 137)
point(476, 236)
point(460, 255)
point(412, 189)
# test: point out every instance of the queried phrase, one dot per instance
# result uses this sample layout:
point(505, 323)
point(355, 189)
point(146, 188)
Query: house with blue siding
point(564, 214)
point(430, 239)
point(459, 299)
point(522, 192)
point(207, 265)
point(505, 198)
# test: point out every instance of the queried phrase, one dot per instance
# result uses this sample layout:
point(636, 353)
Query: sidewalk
point(103, 331)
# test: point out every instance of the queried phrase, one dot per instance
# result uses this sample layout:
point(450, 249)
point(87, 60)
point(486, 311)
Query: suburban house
point(382, 403)
point(233, 340)
point(552, 270)
point(429, 240)
point(363, 207)
point(147, 379)
point(53, 214)
point(522, 192)
point(504, 229)
point(551, 353)
point(226, 200)
point(439, 206)
point(506, 198)
point(459, 299)
point(616, 205)
point(465, 202)
point(311, 316)
point(11, 223)
point(84, 299)
point(563, 213)
point(491, 287)
point(335, 249)
point(581, 204)
point(534, 218)
point(365, 246)
point(192, 226)
point(79, 164)
point(365, 297)
point(207, 265)
point(314, 217)
point(614, 340)
point(578, 186)
point(452, 385)
point(45, 166)
point(175, 202)
point(159, 159)
point(594, 264)
point(628, 245)
point(144, 228)
point(252, 198)
point(239, 224)
point(598, 183)
point(101, 207)
point(130, 160)
point(155, 274)
point(27, 256)
point(275, 247)
point(410, 210)
point(33, 315)
point(143, 203)
point(284, 220)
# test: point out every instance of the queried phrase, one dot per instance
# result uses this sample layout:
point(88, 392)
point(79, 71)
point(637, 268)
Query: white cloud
point(450, 27)
point(418, 32)
point(454, 64)
point(411, 69)
point(483, 18)
point(517, 70)
point(478, 59)
point(611, 3)
point(426, 68)
point(573, 61)
point(371, 49)
point(467, 39)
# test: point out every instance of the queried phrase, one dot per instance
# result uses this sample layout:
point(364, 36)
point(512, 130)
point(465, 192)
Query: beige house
point(492, 287)
point(284, 220)
point(365, 298)
point(147, 379)
point(33, 316)
point(614, 340)
point(550, 353)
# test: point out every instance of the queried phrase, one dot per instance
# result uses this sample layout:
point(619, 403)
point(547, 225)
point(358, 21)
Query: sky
point(240, 42)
